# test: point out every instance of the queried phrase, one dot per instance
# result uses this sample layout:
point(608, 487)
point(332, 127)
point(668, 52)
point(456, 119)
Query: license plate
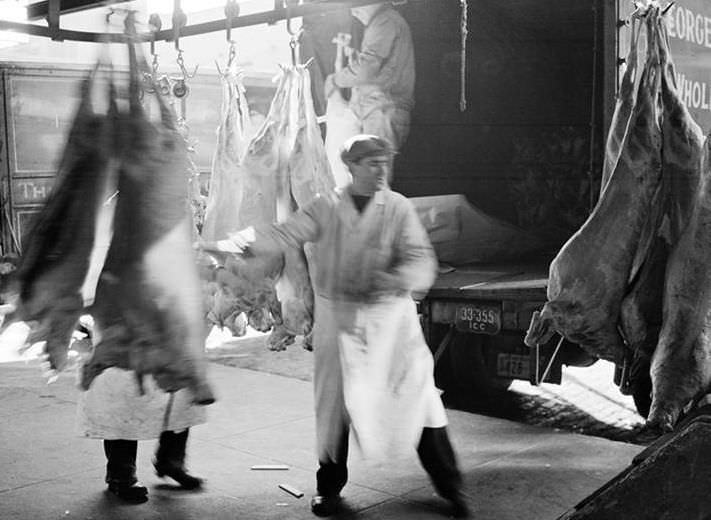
point(478, 318)
point(513, 365)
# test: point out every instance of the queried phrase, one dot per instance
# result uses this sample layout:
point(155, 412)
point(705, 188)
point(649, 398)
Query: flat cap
point(365, 145)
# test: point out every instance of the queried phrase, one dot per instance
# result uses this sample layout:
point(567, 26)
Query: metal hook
point(180, 19)
point(295, 35)
point(231, 12)
point(181, 63)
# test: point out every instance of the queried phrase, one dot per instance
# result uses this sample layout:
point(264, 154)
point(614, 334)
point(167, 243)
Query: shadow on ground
point(541, 411)
point(295, 362)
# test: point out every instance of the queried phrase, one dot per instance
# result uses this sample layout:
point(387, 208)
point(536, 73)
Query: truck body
point(540, 85)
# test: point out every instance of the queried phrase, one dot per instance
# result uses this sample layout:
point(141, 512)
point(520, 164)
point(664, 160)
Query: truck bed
point(501, 281)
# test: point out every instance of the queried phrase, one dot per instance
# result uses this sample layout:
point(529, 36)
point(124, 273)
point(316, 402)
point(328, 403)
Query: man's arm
point(415, 263)
point(377, 45)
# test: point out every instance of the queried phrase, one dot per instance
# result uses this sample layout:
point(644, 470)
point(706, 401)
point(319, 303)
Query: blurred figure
point(381, 74)
point(373, 371)
point(122, 411)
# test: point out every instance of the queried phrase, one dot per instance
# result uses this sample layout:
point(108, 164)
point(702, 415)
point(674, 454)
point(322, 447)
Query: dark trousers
point(435, 452)
point(121, 455)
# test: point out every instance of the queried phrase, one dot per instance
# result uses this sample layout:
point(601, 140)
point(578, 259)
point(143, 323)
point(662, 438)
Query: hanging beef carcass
point(681, 363)
point(590, 274)
point(228, 208)
point(47, 286)
point(270, 153)
point(287, 164)
point(641, 312)
point(148, 304)
point(624, 105)
point(229, 187)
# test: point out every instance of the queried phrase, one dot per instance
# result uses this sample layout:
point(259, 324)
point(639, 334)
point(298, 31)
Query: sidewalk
point(511, 471)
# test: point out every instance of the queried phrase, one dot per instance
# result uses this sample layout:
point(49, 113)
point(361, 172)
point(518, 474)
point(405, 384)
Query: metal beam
point(41, 10)
point(267, 17)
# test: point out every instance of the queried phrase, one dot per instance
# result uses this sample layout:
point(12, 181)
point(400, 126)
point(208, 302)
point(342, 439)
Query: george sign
point(690, 37)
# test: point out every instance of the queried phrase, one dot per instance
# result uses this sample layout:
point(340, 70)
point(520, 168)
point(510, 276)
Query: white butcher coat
point(114, 408)
point(373, 369)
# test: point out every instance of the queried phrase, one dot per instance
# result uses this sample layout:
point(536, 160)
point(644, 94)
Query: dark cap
point(365, 145)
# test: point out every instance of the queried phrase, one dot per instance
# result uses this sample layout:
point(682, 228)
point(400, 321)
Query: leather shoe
point(178, 473)
point(322, 505)
point(135, 493)
point(458, 506)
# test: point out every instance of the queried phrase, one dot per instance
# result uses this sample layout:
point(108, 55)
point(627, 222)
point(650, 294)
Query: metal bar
point(267, 17)
point(550, 363)
point(53, 19)
point(40, 10)
point(444, 344)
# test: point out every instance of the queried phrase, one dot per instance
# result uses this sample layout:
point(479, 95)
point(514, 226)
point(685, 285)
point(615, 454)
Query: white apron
point(341, 124)
point(113, 408)
point(374, 370)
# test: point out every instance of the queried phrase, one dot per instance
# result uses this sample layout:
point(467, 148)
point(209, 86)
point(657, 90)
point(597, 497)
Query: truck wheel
point(467, 358)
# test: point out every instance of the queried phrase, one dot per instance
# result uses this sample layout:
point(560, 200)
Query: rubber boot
point(121, 471)
point(170, 459)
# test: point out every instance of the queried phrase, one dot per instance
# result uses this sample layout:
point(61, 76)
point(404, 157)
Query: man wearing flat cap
point(373, 371)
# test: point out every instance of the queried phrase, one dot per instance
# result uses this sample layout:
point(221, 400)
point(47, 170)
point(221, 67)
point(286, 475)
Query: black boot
point(438, 459)
point(170, 459)
point(121, 471)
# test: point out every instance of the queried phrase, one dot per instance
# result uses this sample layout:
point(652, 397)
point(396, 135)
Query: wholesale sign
point(689, 24)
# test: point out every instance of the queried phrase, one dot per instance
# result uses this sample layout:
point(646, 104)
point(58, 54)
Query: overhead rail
point(280, 12)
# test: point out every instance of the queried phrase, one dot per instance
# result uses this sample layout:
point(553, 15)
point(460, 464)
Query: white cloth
point(341, 124)
point(374, 369)
point(113, 408)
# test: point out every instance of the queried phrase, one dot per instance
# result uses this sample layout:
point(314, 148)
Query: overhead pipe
point(267, 17)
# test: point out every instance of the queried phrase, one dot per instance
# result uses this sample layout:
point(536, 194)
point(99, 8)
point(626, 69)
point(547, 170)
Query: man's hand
point(385, 283)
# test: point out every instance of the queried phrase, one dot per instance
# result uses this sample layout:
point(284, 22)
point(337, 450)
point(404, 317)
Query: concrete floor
point(511, 471)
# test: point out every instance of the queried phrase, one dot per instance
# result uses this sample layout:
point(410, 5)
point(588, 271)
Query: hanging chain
point(292, 47)
point(232, 54)
point(463, 58)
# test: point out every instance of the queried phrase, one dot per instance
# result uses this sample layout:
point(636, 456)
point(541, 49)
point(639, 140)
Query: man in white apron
point(121, 412)
point(373, 369)
point(381, 75)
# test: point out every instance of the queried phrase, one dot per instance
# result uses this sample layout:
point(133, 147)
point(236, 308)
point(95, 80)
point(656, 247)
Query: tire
point(467, 360)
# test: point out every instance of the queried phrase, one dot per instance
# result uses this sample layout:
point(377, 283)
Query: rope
point(11, 228)
point(463, 64)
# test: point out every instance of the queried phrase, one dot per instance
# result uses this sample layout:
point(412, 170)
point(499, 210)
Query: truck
point(539, 80)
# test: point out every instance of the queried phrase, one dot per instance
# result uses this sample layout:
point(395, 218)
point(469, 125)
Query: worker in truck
point(381, 74)
point(373, 371)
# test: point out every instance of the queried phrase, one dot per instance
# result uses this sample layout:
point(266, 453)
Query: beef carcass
point(624, 104)
point(589, 276)
point(148, 305)
point(47, 286)
point(229, 186)
point(641, 312)
point(681, 363)
point(288, 160)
